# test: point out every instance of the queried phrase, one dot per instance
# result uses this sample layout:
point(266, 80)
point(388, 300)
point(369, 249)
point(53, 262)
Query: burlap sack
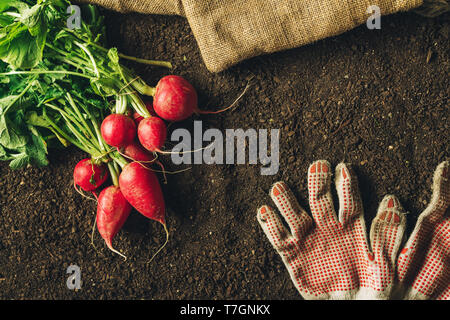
point(229, 31)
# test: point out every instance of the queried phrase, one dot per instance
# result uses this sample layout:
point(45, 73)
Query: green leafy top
point(59, 90)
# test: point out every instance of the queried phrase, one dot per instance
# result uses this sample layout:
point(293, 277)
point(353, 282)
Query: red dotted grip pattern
point(423, 264)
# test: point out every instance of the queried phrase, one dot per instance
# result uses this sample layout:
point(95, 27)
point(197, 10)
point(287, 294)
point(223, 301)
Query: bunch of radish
point(136, 137)
point(135, 133)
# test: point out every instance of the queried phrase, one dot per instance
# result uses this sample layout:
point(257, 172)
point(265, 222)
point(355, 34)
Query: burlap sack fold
point(229, 31)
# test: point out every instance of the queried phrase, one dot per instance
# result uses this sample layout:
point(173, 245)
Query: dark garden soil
point(375, 99)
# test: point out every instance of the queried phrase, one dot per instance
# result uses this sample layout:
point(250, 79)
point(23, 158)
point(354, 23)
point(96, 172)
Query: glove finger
point(296, 217)
point(440, 200)
point(423, 268)
point(272, 226)
point(386, 235)
point(423, 260)
point(350, 205)
point(320, 199)
point(387, 230)
point(426, 222)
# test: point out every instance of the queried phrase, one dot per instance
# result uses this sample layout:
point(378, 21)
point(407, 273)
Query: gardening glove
point(423, 264)
point(328, 257)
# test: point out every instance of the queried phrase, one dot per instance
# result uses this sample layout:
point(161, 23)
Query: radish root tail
point(163, 171)
point(92, 235)
point(170, 172)
point(81, 193)
point(231, 105)
point(187, 151)
point(117, 252)
point(138, 161)
point(162, 247)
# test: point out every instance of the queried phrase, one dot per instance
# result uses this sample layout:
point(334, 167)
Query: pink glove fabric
point(328, 256)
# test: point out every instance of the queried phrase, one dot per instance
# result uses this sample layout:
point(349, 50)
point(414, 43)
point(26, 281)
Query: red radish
point(152, 133)
point(112, 212)
point(136, 152)
point(141, 188)
point(88, 175)
point(175, 99)
point(118, 130)
point(137, 117)
point(149, 106)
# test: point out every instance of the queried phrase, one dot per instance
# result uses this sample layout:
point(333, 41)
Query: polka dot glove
point(424, 262)
point(328, 256)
